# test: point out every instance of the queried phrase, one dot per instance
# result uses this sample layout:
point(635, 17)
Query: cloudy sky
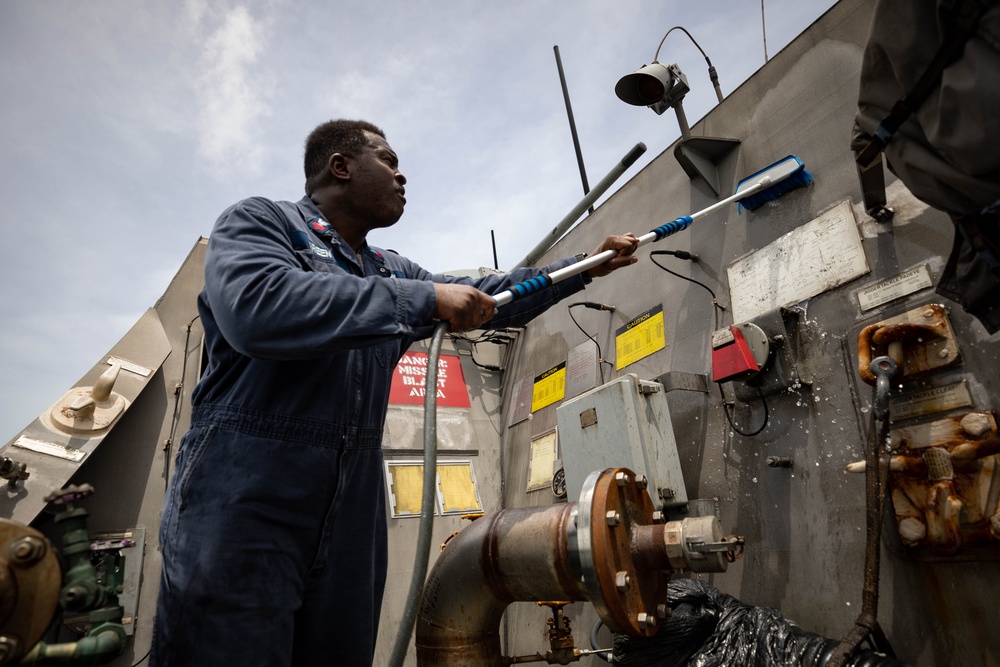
point(126, 127)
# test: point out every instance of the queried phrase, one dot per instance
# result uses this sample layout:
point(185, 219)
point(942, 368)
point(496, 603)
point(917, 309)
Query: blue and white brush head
point(772, 182)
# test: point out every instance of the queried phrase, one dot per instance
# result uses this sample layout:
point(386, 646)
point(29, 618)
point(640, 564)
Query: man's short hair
point(334, 136)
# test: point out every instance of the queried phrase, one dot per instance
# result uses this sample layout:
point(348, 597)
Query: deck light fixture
point(661, 87)
point(656, 86)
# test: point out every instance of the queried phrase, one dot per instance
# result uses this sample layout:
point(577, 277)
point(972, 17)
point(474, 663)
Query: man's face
point(378, 183)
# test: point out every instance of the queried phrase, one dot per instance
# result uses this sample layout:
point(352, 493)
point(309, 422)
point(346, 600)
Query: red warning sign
point(409, 381)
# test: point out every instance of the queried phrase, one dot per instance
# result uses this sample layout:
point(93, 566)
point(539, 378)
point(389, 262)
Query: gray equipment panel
point(624, 423)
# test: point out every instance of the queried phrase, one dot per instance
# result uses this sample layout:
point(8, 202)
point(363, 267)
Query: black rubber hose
point(606, 656)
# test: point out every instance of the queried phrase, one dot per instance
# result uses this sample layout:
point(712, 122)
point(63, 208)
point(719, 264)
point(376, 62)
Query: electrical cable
point(593, 306)
point(683, 254)
point(729, 417)
point(712, 74)
point(176, 418)
point(485, 367)
point(605, 655)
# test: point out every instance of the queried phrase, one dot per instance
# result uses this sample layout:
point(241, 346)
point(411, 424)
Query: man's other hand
point(463, 307)
point(625, 245)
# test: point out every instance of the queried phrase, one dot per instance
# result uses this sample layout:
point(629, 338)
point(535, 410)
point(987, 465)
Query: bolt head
point(622, 479)
point(646, 620)
point(641, 481)
point(658, 517)
point(613, 518)
point(623, 580)
point(26, 551)
point(662, 611)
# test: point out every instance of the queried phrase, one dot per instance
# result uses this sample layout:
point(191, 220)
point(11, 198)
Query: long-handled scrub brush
point(765, 185)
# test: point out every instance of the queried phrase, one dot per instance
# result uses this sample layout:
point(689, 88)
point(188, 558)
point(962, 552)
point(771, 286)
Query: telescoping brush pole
point(766, 184)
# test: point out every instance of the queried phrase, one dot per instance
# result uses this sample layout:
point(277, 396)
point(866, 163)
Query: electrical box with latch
point(624, 423)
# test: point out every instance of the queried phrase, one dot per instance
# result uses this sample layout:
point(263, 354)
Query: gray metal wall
point(130, 467)
point(804, 526)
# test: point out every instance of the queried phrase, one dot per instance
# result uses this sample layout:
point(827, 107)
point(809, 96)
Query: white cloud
point(233, 92)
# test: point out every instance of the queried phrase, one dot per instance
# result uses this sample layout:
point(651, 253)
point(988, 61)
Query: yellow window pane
point(458, 491)
point(407, 487)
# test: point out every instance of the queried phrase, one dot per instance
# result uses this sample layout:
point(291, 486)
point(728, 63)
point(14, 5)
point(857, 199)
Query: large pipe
point(515, 554)
point(606, 548)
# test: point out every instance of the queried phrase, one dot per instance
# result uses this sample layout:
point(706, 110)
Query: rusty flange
point(615, 514)
point(31, 581)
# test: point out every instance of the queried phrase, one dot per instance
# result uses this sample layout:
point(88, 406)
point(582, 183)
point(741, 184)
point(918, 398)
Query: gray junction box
point(624, 423)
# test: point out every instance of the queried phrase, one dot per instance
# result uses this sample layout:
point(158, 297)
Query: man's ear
point(339, 166)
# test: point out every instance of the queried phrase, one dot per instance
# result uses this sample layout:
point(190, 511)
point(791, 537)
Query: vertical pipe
point(493, 240)
point(763, 28)
point(572, 124)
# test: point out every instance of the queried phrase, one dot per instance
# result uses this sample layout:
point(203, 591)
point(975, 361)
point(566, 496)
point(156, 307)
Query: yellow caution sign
point(639, 338)
point(549, 387)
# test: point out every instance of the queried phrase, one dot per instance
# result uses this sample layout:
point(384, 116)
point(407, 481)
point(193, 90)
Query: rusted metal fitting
point(779, 461)
point(918, 341)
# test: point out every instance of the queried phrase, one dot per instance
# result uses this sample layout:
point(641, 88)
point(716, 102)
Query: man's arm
point(467, 307)
point(267, 304)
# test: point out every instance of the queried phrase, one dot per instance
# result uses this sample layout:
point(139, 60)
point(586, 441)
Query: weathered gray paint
point(128, 471)
point(804, 526)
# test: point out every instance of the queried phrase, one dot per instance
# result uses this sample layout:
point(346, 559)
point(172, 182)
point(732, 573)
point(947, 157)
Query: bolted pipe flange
point(607, 553)
point(30, 580)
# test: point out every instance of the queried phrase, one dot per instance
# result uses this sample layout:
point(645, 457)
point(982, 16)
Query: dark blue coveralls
point(273, 531)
